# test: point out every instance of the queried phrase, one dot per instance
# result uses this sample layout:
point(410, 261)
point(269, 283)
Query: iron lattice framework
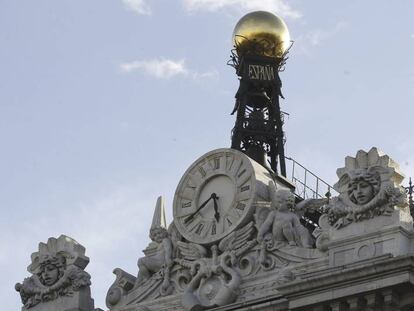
point(258, 128)
point(410, 190)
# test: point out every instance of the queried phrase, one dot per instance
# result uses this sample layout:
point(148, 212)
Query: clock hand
point(187, 220)
point(216, 213)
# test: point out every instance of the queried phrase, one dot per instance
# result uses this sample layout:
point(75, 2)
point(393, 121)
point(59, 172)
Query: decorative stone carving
point(370, 217)
point(215, 284)
point(124, 282)
point(155, 269)
point(207, 276)
point(58, 272)
point(216, 279)
point(159, 254)
point(281, 224)
point(369, 186)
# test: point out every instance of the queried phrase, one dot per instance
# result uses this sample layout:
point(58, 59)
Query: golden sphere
point(262, 28)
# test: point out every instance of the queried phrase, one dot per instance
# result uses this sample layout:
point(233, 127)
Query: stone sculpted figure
point(369, 186)
point(155, 269)
point(159, 254)
point(162, 257)
point(282, 224)
point(57, 270)
point(51, 269)
point(363, 186)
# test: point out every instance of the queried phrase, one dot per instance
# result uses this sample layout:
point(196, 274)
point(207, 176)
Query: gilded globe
point(264, 30)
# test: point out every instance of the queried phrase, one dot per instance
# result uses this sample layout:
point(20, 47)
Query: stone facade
point(360, 256)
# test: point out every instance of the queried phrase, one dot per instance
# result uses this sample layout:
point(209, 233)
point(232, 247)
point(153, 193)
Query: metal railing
point(307, 184)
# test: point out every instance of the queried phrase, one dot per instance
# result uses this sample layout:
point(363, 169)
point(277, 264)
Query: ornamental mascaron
point(245, 236)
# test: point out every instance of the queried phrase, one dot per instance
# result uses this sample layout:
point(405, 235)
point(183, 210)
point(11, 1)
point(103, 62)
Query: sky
point(104, 104)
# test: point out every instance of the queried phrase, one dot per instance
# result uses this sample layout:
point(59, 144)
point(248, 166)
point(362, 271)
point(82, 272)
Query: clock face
point(215, 196)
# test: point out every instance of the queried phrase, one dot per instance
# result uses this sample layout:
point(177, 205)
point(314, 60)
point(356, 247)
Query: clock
point(218, 194)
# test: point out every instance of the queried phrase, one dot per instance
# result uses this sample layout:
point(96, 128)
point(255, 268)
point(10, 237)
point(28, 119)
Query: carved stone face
point(284, 200)
point(158, 234)
point(158, 238)
point(49, 275)
point(362, 192)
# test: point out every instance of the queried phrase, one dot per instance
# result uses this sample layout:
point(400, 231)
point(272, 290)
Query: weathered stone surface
point(282, 224)
point(58, 280)
point(367, 280)
point(369, 186)
point(362, 259)
point(248, 263)
point(79, 301)
point(370, 217)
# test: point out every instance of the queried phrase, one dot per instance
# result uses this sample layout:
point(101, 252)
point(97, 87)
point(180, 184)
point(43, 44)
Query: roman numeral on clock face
point(216, 163)
point(189, 223)
point(244, 188)
point(229, 222)
point(202, 171)
point(186, 204)
point(213, 229)
point(236, 167)
point(240, 206)
point(199, 229)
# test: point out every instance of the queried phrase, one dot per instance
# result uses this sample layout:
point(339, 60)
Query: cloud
point(162, 68)
point(317, 37)
point(138, 6)
point(158, 68)
point(213, 74)
point(280, 7)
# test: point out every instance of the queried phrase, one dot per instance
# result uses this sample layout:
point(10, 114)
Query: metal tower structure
point(261, 43)
point(258, 130)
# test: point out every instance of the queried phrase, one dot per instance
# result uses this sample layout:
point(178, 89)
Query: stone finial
point(58, 280)
point(159, 220)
